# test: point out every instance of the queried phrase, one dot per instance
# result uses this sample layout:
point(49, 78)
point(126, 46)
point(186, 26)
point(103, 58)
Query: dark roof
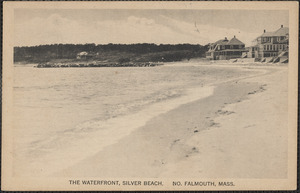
point(235, 41)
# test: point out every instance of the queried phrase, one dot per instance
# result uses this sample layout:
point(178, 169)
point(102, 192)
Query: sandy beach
point(238, 132)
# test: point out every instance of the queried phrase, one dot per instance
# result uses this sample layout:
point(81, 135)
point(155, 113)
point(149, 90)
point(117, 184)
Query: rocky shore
point(95, 64)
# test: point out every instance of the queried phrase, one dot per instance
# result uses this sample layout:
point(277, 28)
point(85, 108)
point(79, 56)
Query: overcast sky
point(50, 26)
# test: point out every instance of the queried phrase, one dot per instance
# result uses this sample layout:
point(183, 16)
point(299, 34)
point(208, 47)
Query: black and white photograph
point(149, 95)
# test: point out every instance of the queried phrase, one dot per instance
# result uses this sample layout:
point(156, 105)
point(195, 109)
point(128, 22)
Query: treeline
point(162, 52)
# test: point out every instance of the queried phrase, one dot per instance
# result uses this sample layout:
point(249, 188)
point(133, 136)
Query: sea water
point(64, 115)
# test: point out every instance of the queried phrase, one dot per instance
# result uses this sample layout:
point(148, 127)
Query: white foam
point(81, 145)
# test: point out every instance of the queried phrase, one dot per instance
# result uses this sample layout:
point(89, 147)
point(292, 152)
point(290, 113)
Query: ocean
point(64, 115)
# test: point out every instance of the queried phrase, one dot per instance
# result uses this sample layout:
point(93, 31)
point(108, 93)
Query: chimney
point(264, 31)
point(281, 26)
point(234, 36)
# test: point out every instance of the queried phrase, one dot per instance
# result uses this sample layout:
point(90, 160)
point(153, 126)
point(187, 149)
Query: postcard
point(149, 96)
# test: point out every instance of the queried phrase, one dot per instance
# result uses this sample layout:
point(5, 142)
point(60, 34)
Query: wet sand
point(238, 132)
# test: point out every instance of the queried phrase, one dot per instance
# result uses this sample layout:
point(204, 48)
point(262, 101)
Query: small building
point(270, 44)
point(225, 49)
point(84, 55)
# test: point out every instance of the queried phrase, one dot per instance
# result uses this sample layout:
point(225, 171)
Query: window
point(265, 47)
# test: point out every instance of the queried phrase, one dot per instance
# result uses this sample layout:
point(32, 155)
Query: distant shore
point(114, 55)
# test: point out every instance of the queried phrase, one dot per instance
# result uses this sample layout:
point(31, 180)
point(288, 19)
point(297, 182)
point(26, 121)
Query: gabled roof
point(221, 42)
point(280, 32)
point(267, 34)
point(235, 41)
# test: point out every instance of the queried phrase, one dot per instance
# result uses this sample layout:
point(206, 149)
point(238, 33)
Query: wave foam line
point(105, 133)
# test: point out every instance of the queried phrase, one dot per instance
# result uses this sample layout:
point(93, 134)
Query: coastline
point(198, 139)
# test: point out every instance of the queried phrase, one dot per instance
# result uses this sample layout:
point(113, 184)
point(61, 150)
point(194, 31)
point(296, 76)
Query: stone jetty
point(86, 65)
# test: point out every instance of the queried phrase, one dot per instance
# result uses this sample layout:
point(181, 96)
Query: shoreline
point(87, 136)
point(247, 140)
point(169, 141)
point(95, 64)
point(112, 131)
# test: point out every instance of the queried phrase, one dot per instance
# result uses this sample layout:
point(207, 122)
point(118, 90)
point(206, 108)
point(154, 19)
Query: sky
point(50, 26)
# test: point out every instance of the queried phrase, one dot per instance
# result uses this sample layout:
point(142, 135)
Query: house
point(225, 49)
point(270, 44)
point(84, 55)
